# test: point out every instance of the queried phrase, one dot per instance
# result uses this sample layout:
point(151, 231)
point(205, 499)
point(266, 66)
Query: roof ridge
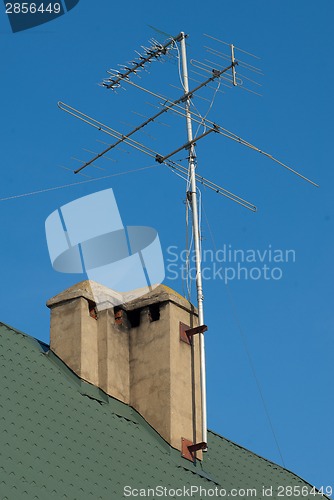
point(42, 344)
point(270, 462)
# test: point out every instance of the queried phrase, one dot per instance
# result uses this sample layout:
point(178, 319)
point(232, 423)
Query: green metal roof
point(63, 438)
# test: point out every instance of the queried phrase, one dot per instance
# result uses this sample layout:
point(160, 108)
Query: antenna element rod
point(233, 67)
point(196, 229)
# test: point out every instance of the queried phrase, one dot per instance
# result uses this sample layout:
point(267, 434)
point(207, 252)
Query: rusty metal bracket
point(189, 449)
point(187, 333)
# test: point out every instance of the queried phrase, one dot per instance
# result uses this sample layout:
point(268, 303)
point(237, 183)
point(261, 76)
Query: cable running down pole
point(196, 229)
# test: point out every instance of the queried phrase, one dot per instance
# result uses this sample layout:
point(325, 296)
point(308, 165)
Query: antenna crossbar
point(230, 135)
point(162, 159)
point(223, 131)
point(234, 137)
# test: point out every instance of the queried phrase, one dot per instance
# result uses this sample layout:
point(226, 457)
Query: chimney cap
point(161, 293)
point(82, 289)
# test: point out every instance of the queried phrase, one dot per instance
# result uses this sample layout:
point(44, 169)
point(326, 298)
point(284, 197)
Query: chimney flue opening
point(92, 309)
point(154, 312)
point(134, 318)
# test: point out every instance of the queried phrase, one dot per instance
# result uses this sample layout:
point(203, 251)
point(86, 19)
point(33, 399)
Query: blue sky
point(281, 329)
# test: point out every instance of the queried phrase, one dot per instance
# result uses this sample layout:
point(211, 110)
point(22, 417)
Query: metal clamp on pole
point(189, 449)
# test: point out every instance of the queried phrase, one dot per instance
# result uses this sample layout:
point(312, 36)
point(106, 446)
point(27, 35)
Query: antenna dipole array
point(174, 166)
point(154, 51)
point(184, 98)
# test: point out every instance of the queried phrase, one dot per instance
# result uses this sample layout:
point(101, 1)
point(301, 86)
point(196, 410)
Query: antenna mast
point(196, 230)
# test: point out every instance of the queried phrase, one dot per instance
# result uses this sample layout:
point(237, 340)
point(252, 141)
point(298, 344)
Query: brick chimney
point(137, 353)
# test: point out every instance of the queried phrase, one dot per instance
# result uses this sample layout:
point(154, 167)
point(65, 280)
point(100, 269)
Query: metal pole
point(196, 229)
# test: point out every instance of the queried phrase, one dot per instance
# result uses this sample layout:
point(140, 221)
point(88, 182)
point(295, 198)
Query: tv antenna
point(211, 72)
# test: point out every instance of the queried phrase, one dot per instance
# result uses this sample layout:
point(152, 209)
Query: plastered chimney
point(137, 353)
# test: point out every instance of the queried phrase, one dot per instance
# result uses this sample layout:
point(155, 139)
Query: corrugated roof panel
point(63, 438)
